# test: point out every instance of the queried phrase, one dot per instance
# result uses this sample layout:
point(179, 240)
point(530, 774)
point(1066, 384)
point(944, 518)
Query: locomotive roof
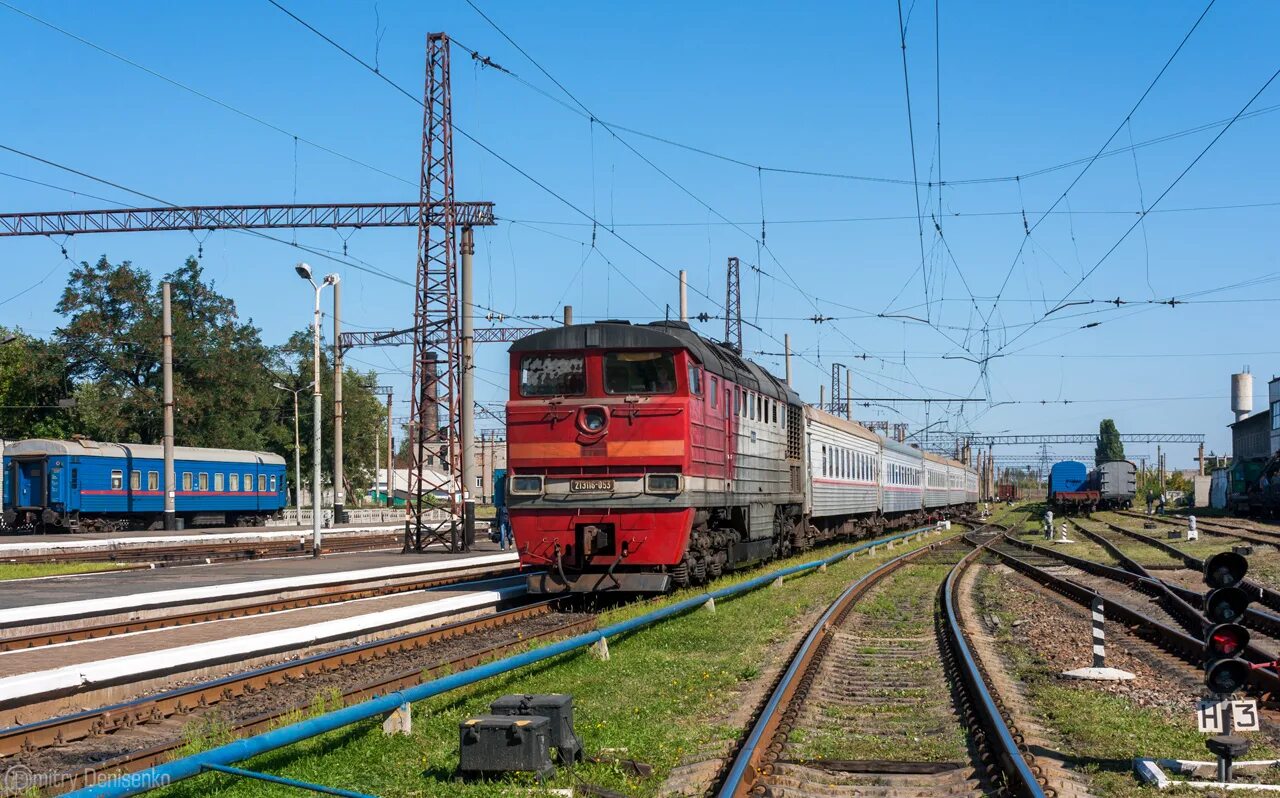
point(88, 448)
point(715, 357)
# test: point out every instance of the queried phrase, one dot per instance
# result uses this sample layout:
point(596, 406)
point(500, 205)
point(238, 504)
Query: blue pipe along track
point(249, 747)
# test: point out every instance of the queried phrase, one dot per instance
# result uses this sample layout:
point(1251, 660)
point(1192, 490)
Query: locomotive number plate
point(591, 486)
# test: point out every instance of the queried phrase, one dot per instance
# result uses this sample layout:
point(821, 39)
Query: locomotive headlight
point(662, 483)
point(526, 486)
point(592, 420)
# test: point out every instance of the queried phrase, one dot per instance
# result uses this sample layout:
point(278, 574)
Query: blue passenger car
point(83, 484)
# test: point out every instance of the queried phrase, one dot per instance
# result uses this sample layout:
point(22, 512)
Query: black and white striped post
point(1099, 670)
point(1099, 635)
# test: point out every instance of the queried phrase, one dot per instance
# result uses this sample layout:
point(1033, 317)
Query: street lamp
point(304, 271)
point(297, 447)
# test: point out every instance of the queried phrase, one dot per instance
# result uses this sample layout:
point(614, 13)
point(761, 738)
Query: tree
point(363, 415)
point(112, 344)
point(34, 388)
point(1109, 446)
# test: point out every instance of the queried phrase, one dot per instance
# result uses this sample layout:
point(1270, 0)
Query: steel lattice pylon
point(839, 402)
point(437, 351)
point(733, 307)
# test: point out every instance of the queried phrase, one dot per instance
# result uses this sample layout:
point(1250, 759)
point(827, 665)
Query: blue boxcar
point(1068, 476)
point(111, 486)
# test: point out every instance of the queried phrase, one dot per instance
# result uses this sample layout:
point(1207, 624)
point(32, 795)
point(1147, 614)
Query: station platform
point(32, 601)
point(134, 659)
point(20, 545)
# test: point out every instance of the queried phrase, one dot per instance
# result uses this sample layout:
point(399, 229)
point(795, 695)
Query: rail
point(240, 750)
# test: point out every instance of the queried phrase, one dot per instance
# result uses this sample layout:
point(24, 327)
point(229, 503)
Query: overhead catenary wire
point(1106, 255)
point(1089, 163)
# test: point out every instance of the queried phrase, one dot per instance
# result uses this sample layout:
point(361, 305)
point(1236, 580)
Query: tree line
point(100, 374)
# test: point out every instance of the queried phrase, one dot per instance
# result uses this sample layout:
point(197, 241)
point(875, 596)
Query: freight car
point(1070, 489)
point(92, 486)
point(646, 457)
point(1116, 482)
point(1008, 492)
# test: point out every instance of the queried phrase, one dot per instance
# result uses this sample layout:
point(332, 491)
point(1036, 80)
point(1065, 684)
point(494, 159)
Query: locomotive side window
point(117, 480)
point(639, 372)
point(695, 380)
point(553, 375)
point(715, 391)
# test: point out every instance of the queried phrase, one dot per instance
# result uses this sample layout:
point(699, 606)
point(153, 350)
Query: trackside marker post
point(1099, 671)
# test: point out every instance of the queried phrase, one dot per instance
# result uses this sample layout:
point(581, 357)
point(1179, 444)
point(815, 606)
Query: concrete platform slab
point(27, 545)
point(26, 602)
point(90, 675)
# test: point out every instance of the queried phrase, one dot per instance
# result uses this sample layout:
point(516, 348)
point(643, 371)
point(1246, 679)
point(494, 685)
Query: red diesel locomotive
point(645, 457)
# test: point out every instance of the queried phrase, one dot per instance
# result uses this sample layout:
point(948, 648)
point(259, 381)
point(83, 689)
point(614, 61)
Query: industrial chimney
point(1242, 394)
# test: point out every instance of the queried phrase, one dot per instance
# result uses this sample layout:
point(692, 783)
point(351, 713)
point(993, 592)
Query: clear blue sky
point(809, 86)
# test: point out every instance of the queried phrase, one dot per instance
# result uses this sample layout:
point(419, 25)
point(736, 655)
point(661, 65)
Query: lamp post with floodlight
point(304, 271)
point(297, 447)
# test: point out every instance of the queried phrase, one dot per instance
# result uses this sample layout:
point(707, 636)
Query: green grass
point(1103, 731)
point(663, 694)
point(29, 570)
point(912, 722)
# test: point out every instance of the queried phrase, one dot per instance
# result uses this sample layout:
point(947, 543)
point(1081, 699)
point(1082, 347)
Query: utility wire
point(1064, 301)
point(203, 96)
point(1104, 146)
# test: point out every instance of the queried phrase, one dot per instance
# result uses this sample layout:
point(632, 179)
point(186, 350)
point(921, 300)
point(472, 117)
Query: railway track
point(1255, 536)
point(1150, 608)
point(138, 734)
point(260, 606)
point(885, 697)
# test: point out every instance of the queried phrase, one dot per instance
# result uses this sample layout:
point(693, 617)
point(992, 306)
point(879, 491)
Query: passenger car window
point(553, 375)
point(479, 483)
point(217, 482)
point(117, 480)
point(262, 483)
point(203, 481)
point(235, 483)
point(135, 480)
point(639, 372)
point(186, 480)
point(153, 480)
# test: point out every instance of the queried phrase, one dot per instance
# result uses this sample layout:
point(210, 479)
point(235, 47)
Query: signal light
point(1227, 640)
point(1224, 606)
point(1225, 569)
